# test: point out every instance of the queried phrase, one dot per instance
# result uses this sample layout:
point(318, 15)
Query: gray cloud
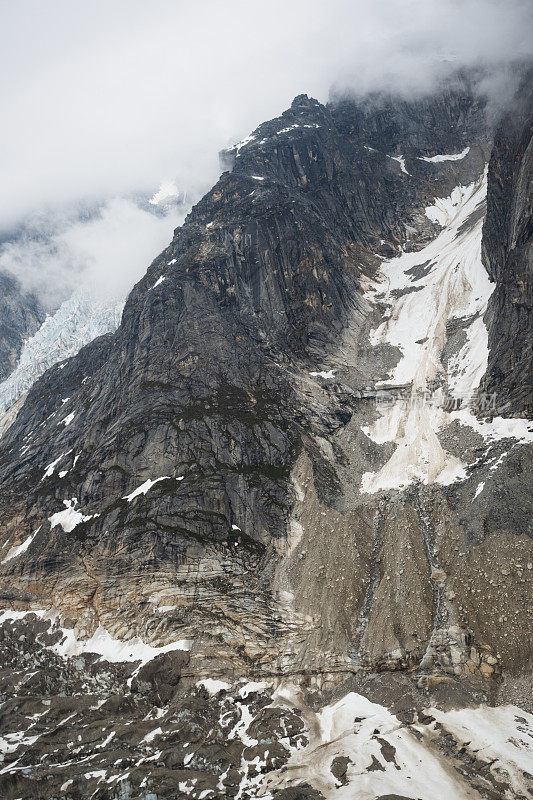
point(114, 97)
point(101, 252)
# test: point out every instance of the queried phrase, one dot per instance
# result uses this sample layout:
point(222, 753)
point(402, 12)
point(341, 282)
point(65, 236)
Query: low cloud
point(103, 98)
point(101, 252)
point(105, 101)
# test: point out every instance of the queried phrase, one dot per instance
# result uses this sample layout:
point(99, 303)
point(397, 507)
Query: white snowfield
point(146, 486)
point(78, 321)
point(447, 281)
point(407, 766)
point(14, 552)
point(115, 650)
point(502, 735)
point(326, 375)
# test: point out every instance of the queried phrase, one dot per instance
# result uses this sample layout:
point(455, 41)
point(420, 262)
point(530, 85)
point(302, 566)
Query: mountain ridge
point(205, 481)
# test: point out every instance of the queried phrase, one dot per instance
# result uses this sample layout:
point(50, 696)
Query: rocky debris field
point(83, 727)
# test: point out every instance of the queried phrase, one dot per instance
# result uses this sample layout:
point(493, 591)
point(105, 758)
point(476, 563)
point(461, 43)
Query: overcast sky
point(115, 96)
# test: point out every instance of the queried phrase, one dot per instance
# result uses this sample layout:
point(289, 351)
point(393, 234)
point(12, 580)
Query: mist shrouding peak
point(101, 251)
point(116, 98)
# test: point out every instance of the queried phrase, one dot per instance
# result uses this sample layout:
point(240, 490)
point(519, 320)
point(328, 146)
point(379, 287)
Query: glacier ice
point(78, 321)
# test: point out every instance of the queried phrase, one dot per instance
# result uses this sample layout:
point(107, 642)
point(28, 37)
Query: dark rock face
point(20, 316)
point(198, 384)
point(508, 257)
point(197, 476)
point(452, 121)
point(161, 675)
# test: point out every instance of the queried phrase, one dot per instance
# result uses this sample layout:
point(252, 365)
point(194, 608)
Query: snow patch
point(69, 518)
point(467, 367)
point(96, 773)
point(286, 130)
point(101, 642)
point(401, 162)
point(106, 741)
point(498, 427)
point(501, 736)
point(455, 287)
point(253, 686)
point(49, 471)
point(151, 736)
point(240, 729)
point(114, 650)
point(9, 615)
point(239, 145)
point(355, 728)
point(326, 375)
point(452, 157)
point(444, 210)
point(145, 487)
point(158, 282)
point(213, 687)
point(21, 548)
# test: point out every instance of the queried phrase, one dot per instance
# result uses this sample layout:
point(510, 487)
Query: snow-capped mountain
point(269, 538)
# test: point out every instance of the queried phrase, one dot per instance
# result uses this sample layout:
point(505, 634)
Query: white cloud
point(104, 255)
point(107, 98)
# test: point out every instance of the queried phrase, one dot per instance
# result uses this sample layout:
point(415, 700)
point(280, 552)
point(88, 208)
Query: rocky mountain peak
point(267, 537)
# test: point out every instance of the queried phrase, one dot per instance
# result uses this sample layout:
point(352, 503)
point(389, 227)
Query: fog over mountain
point(55, 254)
point(113, 98)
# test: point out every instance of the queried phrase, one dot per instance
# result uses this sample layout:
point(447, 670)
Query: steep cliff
point(279, 471)
point(206, 385)
point(508, 256)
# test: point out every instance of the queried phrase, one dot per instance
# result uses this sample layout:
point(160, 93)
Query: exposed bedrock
point(508, 257)
point(233, 398)
point(20, 316)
